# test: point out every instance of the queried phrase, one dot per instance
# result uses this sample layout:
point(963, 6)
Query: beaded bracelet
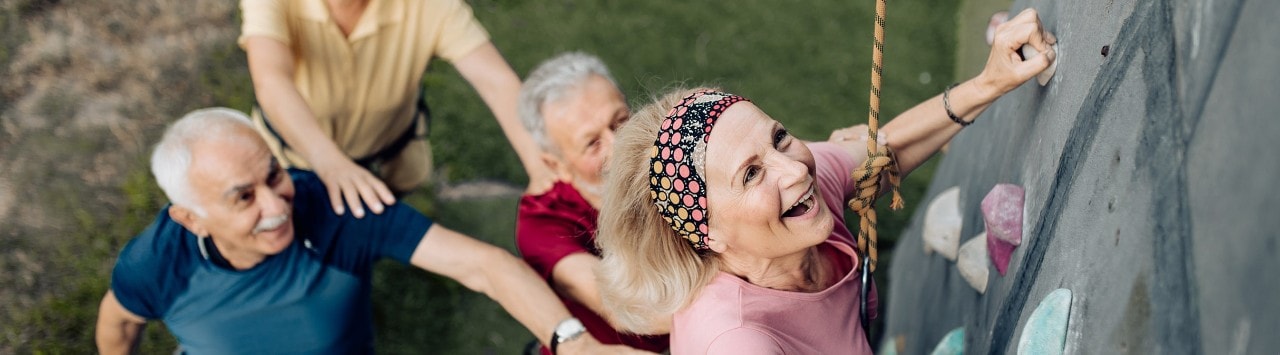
point(946, 104)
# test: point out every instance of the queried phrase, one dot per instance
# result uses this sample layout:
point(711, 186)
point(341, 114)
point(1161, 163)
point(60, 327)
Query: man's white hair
point(171, 160)
point(549, 82)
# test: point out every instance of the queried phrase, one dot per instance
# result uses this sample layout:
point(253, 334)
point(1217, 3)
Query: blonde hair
point(647, 272)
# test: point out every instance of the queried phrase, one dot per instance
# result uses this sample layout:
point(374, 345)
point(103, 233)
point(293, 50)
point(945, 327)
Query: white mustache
point(271, 223)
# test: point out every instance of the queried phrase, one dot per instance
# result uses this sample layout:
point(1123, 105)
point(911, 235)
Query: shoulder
point(154, 266)
point(717, 308)
point(744, 340)
point(309, 192)
point(161, 243)
point(554, 225)
point(303, 179)
point(561, 201)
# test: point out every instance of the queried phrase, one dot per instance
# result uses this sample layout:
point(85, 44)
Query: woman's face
point(763, 200)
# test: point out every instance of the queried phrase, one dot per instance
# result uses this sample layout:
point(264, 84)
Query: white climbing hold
point(1029, 52)
point(1046, 329)
point(973, 262)
point(951, 344)
point(942, 224)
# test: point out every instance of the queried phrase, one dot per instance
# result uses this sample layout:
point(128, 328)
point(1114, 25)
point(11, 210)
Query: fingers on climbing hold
point(1029, 52)
point(942, 224)
point(1002, 212)
point(1046, 329)
point(997, 19)
point(973, 262)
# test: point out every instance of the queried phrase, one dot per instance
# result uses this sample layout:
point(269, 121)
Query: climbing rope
point(880, 161)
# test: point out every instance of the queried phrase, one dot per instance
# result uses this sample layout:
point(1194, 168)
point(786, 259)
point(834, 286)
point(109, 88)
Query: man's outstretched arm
point(507, 280)
point(118, 329)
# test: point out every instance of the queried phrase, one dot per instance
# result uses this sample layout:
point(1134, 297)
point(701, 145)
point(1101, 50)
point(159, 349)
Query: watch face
point(570, 328)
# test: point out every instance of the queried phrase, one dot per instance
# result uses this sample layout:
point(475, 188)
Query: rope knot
point(868, 178)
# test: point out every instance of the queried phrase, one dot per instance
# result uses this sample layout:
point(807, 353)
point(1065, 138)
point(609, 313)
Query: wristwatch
point(568, 329)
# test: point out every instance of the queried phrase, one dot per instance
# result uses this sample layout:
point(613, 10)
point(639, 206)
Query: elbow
point(494, 265)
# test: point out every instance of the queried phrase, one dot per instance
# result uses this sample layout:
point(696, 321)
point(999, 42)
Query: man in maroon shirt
point(571, 106)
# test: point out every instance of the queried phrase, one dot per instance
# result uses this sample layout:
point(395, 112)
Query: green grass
point(806, 63)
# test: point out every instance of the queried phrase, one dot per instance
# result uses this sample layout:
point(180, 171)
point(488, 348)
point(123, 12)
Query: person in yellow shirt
point(338, 81)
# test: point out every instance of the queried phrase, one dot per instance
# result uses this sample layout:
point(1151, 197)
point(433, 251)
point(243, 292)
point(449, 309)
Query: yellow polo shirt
point(363, 88)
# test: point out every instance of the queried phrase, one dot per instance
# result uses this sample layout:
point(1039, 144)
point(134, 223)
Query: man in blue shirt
point(248, 258)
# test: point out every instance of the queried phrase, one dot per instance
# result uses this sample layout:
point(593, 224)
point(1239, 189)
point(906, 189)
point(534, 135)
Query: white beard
point(589, 189)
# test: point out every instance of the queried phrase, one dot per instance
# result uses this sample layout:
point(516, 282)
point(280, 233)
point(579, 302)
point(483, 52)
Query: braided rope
point(880, 159)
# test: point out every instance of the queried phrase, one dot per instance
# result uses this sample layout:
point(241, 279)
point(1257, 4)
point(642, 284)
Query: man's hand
point(854, 133)
point(349, 183)
point(271, 65)
point(586, 344)
point(541, 178)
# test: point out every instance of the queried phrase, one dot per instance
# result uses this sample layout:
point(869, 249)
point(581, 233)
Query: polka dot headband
point(675, 182)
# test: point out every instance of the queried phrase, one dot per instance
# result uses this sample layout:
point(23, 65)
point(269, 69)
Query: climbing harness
point(880, 161)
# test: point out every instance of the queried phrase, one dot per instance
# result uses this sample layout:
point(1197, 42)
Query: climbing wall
point(1152, 189)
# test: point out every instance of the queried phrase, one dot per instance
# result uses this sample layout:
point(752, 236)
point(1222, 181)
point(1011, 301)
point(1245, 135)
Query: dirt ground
point(86, 85)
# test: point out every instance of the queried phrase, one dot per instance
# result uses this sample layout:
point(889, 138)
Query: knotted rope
point(880, 160)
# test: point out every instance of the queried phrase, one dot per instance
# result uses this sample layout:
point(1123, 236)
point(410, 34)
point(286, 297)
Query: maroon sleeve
point(552, 226)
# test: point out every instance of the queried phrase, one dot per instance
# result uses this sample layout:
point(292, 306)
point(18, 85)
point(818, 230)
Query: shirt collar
point(379, 13)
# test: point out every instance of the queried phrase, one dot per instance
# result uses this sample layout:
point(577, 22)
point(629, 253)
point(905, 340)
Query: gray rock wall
point(1150, 178)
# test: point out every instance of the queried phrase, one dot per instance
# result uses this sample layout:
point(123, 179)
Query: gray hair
point(548, 82)
point(171, 160)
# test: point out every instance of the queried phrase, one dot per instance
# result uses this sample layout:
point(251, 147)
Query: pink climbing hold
point(1002, 212)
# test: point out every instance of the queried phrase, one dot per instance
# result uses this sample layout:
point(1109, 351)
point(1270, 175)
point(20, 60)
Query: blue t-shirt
point(313, 297)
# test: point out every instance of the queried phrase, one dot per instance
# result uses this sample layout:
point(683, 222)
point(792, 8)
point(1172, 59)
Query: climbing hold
point(973, 262)
point(1046, 329)
point(942, 224)
point(1029, 52)
point(1002, 212)
point(951, 344)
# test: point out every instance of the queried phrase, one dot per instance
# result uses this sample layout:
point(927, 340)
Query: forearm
point(574, 276)
point(271, 67)
point(512, 284)
point(291, 117)
point(918, 133)
point(503, 104)
point(499, 87)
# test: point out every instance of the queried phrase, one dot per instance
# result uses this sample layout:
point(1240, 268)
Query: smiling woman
point(721, 228)
point(745, 214)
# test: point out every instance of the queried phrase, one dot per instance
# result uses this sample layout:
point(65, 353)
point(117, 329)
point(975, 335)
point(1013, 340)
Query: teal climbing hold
point(1046, 329)
point(951, 344)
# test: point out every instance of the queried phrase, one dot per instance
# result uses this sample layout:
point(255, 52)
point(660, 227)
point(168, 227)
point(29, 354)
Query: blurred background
point(88, 86)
